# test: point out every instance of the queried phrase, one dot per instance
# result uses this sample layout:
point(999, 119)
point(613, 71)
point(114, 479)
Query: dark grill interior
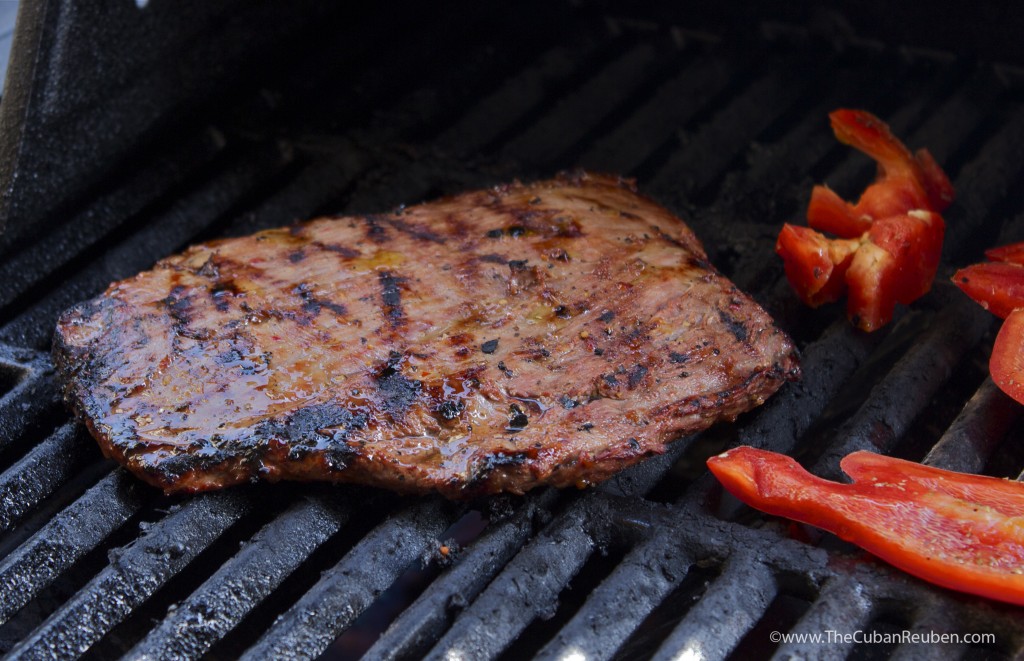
point(726, 128)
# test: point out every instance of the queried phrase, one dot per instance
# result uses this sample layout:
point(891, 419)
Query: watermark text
point(860, 636)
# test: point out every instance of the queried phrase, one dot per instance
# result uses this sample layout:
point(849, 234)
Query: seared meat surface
point(497, 340)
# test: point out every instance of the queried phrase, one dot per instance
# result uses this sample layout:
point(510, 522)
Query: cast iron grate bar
point(710, 150)
point(578, 76)
point(540, 631)
point(841, 606)
point(948, 128)
point(528, 587)
point(348, 588)
point(73, 532)
point(241, 583)
point(981, 426)
point(301, 198)
point(135, 573)
point(488, 57)
point(626, 146)
point(517, 96)
point(782, 159)
point(616, 83)
point(420, 625)
point(38, 474)
point(28, 398)
point(906, 390)
point(636, 586)
point(983, 183)
point(732, 605)
point(932, 620)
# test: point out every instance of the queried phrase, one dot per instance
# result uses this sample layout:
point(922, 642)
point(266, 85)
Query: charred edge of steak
point(310, 440)
point(272, 451)
point(78, 367)
point(396, 392)
point(509, 472)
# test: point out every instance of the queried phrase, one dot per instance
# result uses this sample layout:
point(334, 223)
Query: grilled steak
point(493, 341)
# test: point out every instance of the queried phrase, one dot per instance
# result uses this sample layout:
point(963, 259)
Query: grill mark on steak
point(417, 231)
point(312, 304)
point(733, 325)
point(343, 251)
point(375, 231)
point(548, 353)
point(179, 305)
point(391, 298)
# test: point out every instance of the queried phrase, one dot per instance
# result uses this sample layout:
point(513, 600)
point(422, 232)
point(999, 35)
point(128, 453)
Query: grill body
point(724, 121)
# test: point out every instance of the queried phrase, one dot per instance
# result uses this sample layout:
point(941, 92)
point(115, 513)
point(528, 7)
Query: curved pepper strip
point(960, 531)
point(999, 287)
point(1011, 254)
point(895, 225)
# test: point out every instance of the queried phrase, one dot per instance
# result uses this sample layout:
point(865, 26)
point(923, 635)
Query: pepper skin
point(895, 225)
point(964, 532)
point(998, 286)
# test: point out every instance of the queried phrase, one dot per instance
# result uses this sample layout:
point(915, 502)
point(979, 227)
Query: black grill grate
point(727, 129)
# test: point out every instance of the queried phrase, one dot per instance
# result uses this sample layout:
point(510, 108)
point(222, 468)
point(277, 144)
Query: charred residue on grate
point(659, 623)
point(547, 624)
point(782, 614)
point(414, 580)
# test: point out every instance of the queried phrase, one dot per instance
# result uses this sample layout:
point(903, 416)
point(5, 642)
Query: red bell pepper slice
point(871, 300)
point(827, 212)
point(1012, 254)
point(914, 240)
point(905, 181)
point(936, 183)
point(891, 239)
point(997, 286)
point(956, 530)
point(815, 265)
point(1006, 365)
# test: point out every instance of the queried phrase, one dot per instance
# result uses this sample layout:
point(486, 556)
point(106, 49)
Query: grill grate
point(659, 563)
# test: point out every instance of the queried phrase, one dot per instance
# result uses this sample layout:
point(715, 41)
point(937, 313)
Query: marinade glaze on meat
point(497, 340)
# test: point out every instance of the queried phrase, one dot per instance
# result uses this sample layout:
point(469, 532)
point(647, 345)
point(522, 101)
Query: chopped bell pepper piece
point(1006, 365)
point(1011, 254)
point(815, 265)
point(905, 181)
point(960, 531)
point(890, 240)
point(827, 212)
point(914, 240)
point(997, 286)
